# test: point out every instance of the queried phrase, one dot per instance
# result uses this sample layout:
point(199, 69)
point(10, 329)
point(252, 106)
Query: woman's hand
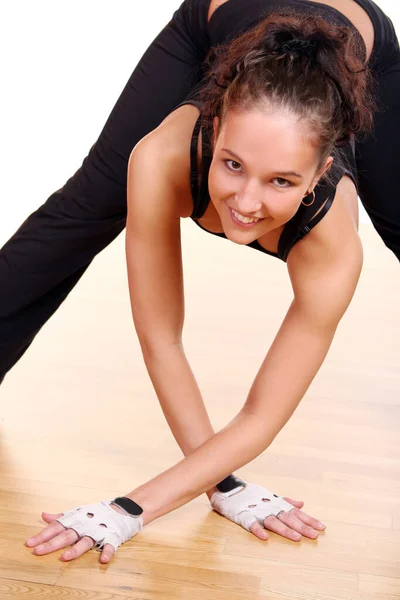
point(257, 509)
point(103, 525)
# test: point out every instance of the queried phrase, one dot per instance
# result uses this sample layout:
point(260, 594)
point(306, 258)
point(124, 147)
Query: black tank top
point(304, 219)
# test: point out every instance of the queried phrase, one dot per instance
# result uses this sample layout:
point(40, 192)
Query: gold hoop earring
point(313, 200)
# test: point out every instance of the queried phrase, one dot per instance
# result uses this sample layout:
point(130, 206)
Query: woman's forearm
point(289, 368)
point(244, 438)
point(179, 396)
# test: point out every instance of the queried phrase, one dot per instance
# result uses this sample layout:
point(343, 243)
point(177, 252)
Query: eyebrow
point(284, 173)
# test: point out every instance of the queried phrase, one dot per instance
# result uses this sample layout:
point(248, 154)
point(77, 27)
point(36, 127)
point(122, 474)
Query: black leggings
point(52, 249)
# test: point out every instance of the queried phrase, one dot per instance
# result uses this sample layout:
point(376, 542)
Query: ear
point(324, 169)
point(328, 165)
point(215, 129)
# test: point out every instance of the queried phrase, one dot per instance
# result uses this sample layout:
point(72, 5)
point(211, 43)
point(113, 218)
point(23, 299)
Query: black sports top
point(298, 226)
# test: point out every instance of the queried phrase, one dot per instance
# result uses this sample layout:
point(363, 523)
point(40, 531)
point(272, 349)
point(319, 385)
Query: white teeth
point(243, 219)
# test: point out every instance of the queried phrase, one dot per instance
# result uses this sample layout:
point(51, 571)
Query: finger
point(48, 532)
point(274, 524)
point(259, 531)
point(291, 520)
point(50, 517)
point(66, 538)
point(107, 553)
point(85, 544)
point(296, 503)
point(308, 520)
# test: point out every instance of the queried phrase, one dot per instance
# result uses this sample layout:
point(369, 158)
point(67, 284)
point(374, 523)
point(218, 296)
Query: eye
point(281, 182)
point(233, 165)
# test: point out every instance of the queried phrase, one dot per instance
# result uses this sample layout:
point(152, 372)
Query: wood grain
point(79, 422)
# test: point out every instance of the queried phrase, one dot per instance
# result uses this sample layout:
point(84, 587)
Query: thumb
point(296, 503)
point(50, 517)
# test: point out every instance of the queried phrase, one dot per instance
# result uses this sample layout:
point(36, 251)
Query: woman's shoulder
point(168, 147)
point(172, 138)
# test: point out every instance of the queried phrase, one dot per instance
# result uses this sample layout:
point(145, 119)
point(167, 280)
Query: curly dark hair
point(302, 64)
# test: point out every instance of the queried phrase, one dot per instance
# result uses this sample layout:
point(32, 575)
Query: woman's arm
point(324, 271)
point(158, 195)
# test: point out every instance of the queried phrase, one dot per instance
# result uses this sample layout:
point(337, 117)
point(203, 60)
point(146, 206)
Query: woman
point(329, 255)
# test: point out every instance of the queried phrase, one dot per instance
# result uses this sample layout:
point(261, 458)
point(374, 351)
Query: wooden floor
point(79, 422)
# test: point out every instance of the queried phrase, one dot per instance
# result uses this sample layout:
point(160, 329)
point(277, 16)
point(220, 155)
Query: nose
point(250, 199)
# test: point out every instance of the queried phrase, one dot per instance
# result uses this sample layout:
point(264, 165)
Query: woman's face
point(263, 165)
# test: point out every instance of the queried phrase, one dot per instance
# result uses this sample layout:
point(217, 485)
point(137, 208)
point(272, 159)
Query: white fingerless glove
point(253, 504)
point(118, 527)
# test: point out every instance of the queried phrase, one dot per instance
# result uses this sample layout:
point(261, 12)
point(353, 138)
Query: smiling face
point(263, 165)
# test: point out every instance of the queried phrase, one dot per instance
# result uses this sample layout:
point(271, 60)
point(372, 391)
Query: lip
point(245, 225)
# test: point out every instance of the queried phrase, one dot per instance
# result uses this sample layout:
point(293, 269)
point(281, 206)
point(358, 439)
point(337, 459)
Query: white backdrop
point(64, 65)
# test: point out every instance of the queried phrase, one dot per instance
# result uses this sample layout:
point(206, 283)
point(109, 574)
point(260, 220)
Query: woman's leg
point(51, 250)
point(378, 160)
